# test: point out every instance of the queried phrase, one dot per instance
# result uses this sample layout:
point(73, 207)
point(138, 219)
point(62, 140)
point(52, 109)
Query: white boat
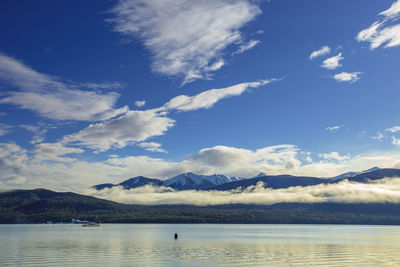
point(96, 223)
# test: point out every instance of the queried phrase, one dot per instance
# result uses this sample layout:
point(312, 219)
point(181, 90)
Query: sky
point(100, 91)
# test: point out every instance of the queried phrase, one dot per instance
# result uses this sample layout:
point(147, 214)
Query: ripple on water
point(199, 245)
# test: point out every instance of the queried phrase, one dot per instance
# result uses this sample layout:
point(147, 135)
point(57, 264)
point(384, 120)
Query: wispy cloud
point(321, 52)
point(138, 126)
point(152, 146)
point(185, 37)
point(383, 31)
point(102, 85)
point(53, 98)
point(347, 77)
point(395, 141)
point(38, 130)
point(334, 155)
point(246, 46)
point(333, 128)
point(378, 136)
point(332, 62)
point(4, 129)
point(393, 129)
point(208, 98)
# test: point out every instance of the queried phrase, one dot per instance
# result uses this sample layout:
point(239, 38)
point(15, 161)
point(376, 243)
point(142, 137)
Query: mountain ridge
point(220, 182)
point(42, 205)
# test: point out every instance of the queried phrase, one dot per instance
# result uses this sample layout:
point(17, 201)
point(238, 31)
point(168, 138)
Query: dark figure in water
point(176, 236)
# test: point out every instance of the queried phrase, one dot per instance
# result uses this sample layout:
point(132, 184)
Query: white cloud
point(321, 52)
point(246, 46)
point(393, 11)
point(208, 98)
point(185, 37)
point(383, 31)
point(54, 152)
point(140, 103)
point(136, 126)
point(333, 128)
point(4, 129)
point(66, 172)
point(102, 85)
point(332, 62)
point(395, 141)
point(347, 77)
point(52, 98)
point(133, 126)
point(152, 146)
point(334, 156)
point(393, 129)
point(379, 137)
point(39, 132)
point(382, 191)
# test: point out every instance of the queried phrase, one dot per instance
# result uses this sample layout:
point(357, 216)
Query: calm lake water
point(199, 245)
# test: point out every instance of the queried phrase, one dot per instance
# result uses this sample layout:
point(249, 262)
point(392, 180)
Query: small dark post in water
point(176, 236)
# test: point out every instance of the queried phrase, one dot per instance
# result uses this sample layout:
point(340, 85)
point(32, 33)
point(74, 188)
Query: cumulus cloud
point(246, 163)
point(321, 52)
point(384, 31)
point(185, 37)
point(332, 62)
point(347, 77)
point(133, 126)
point(152, 146)
point(140, 103)
point(381, 191)
point(333, 128)
point(67, 172)
point(53, 98)
point(54, 152)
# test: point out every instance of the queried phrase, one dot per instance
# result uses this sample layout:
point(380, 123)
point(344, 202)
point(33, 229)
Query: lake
point(199, 245)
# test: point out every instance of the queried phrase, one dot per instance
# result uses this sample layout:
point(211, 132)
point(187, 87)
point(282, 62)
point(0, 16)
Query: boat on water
point(96, 223)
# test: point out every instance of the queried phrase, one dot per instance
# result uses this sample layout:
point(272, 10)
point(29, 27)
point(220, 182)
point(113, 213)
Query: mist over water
point(199, 245)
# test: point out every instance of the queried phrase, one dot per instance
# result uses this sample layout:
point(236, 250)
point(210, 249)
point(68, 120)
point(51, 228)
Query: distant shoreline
point(41, 206)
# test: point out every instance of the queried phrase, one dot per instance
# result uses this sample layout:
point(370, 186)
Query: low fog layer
point(379, 191)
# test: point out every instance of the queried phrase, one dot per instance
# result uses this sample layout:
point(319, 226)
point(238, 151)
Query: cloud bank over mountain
point(380, 191)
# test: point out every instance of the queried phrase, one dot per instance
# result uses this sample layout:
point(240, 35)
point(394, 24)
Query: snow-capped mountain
point(183, 181)
point(261, 174)
point(194, 181)
point(352, 174)
point(131, 183)
point(139, 181)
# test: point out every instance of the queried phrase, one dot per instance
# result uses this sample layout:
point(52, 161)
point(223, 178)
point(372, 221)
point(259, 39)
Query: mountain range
point(220, 182)
point(185, 181)
point(41, 205)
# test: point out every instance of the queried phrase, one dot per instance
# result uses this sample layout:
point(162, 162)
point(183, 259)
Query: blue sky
point(102, 91)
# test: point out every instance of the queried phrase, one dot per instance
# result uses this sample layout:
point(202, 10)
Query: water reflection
point(198, 245)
